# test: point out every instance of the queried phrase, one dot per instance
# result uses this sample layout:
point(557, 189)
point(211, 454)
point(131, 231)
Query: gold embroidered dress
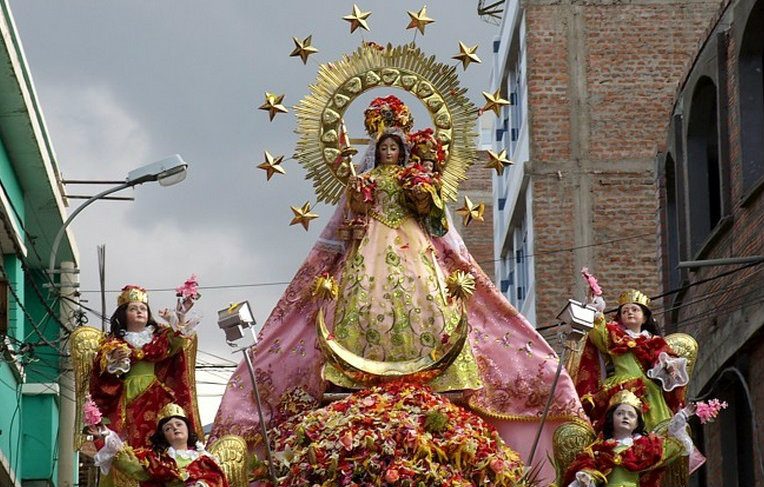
point(393, 305)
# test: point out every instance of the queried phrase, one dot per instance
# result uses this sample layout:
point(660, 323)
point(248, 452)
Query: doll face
point(632, 316)
point(137, 315)
point(175, 432)
point(625, 420)
point(389, 152)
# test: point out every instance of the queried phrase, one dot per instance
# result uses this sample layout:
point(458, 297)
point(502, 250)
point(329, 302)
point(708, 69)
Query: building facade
point(32, 209)
point(711, 177)
point(591, 87)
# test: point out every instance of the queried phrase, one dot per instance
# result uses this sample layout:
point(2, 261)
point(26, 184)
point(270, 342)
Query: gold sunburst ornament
point(436, 85)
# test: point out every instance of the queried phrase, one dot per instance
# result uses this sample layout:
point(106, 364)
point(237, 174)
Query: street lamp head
point(167, 172)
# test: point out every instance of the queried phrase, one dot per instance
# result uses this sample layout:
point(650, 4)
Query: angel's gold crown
point(633, 296)
point(625, 397)
point(169, 411)
point(132, 294)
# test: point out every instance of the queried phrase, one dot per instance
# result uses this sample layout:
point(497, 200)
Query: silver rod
point(548, 403)
point(752, 259)
point(113, 198)
point(263, 429)
point(89, 181)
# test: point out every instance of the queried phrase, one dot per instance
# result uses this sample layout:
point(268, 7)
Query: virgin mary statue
point(393, 305)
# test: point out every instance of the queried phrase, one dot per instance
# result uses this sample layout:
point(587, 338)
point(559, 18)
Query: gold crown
point(169, 411)
point(132, 294)
point(625, 397)
point(633, 296)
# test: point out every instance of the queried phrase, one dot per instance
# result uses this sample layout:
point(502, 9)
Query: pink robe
point(516, 365)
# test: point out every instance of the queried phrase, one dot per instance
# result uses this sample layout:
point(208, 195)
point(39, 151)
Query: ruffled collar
point(628, 441)
point(187, 454)
point(632, 334)
point(138, 339)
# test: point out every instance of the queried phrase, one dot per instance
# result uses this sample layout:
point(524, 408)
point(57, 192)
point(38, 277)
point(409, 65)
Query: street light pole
point(169, 171)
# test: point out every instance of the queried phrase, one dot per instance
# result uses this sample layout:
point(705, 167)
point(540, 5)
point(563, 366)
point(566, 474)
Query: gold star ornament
point(498, 161)
point(467, 55)
point(272, 165)
point(494, 102)
point(303, 215)
point(273, 104)
point(419, 20)
point(471, 211)
point(303, 48)
point(357, 19)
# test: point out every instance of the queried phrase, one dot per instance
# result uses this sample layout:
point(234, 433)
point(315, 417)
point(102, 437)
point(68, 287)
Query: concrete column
point(68, 459)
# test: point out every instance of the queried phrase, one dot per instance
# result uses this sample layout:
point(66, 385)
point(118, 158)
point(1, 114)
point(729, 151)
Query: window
point(703, 171)
point(515, 95)
point(515, 265)
point(672, 225)
point(736, 436)
point(751, 63)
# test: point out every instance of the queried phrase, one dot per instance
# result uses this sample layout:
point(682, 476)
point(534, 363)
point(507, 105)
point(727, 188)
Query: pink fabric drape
point(517, 366)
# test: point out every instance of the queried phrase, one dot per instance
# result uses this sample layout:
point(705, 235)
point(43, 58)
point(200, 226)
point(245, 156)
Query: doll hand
point(583, 479)
point(677, 428)
point(118, 360)
point(97, 430)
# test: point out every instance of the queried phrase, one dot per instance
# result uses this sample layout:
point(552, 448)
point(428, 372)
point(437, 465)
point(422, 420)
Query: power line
point(283, 283)
point(221, 286)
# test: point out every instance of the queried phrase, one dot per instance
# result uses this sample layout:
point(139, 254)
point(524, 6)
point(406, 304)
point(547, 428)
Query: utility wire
point(283, 283)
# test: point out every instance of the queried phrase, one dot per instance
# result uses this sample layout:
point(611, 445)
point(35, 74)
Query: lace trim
point(138, 339)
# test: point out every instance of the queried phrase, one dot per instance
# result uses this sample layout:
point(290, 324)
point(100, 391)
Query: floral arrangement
point(395, 434)
point(189, 289)
point(387, 112)
point(709, 410)
point(91, 415)
point(417, 176)
point(365, 185)
point(425, 147)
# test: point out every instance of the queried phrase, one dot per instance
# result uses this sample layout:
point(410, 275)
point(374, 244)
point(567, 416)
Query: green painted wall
point(40, 413)
point(10, 417)
point(10, 183)
point(46, 368)
point(12, 268)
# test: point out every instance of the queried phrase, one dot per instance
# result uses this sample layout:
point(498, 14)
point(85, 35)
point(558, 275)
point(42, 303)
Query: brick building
point(711, 176)
point(591, 86)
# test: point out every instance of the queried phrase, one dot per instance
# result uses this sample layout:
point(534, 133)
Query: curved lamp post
point(167, 172)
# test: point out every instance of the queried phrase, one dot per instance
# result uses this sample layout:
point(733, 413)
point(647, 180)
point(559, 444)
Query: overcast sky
point(126, 83)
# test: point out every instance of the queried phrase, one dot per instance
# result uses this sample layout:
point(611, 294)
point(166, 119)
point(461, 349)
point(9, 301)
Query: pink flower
point(391, 475)
point(346, 440)
point(592, 281)
point(497, 465)
point(189, 289)
point(90, 412)
point(708, 411)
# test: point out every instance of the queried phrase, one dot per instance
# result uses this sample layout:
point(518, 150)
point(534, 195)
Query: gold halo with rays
point(338, 84)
